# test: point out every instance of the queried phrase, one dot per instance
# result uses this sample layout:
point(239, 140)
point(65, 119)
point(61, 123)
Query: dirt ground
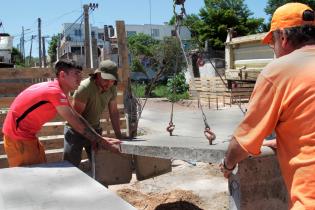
point(190, 186)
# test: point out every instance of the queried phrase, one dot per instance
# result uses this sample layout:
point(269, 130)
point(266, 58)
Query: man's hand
point(226, 171)
point(110, 144)
point(122, 136)
point(270, 143)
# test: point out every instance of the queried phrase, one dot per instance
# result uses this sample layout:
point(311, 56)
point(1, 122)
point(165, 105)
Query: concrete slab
point(188, 142)
point(54, 186)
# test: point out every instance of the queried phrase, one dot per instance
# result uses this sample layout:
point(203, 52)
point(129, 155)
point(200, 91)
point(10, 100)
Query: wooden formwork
point(212, 90)
point(13, 81)
point(240, 92)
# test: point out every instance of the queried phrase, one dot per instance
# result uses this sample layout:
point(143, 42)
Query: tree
point(17, 57)
point(219, 15)
point(141, 44)
point(52, 50)
point(141, 48)
point(193, 23)
point(272, 5)
point(216, 17)
point(163, 57)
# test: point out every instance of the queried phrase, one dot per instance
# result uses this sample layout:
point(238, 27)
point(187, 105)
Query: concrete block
point(258, 184)
point(147, 167)
point(54, 186)
point(109, 168)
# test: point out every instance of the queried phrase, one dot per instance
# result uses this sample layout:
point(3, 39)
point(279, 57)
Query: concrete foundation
point(147, 167)
point(257, 184)
point(109, 168)
point(54, 186)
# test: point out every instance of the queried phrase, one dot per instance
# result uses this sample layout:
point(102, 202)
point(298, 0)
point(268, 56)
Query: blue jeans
point(73, 146)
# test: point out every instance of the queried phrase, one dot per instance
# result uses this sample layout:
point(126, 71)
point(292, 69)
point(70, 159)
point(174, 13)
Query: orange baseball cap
point(286, 16)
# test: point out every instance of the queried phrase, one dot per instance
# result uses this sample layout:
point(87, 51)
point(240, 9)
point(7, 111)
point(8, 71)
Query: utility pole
point(30, 58)
point(87, 36)
point(39, 42)
point(44, 52)
point(22, 45)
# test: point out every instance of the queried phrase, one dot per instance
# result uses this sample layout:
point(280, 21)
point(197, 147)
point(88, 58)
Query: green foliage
point(164, 56)
point(136, 66)
point(216, 17)
point(272, 5)
point(17, 57)
point(177, 84)
point(219, 15)
point(160, 91)
point(178, 97)
point(168, 56)
point(52, 49)
point(138, 90)
point(141, 44)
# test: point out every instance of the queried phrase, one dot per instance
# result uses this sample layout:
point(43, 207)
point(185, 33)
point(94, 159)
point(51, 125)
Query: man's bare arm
point(114, 117)
point(235, 153)
point(78, 106)
point(82, 126)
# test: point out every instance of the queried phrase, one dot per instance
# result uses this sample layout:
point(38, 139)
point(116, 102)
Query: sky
point(17, 13)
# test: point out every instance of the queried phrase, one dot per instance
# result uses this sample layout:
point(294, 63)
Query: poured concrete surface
point(189, 144)
point(188, 141)
point(54, 186)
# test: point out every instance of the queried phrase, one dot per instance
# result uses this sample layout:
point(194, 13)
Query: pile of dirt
point(176, 199)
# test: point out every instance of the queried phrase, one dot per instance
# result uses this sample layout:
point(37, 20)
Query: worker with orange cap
point(284, 100)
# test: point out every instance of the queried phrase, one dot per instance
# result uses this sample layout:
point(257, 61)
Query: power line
point(59, 17)
point(79, 18)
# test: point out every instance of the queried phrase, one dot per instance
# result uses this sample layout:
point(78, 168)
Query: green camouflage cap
point(108, 70)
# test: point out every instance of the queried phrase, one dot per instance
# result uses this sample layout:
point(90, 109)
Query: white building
point(72, 40)
point(157, 31)
point(6, 44)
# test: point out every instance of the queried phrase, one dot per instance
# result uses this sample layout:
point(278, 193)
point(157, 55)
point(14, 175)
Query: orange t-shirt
point(284, 100)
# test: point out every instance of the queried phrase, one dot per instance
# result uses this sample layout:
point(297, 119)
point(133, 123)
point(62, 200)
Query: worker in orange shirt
point(284, 100)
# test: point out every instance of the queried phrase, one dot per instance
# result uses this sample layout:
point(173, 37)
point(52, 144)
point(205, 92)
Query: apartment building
point(72, 39)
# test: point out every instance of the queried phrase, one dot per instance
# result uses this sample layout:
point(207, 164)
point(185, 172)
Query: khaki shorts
point(21, 153)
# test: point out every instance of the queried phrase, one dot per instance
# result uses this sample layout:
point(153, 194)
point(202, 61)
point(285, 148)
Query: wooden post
point(122, 51)
point(124, 72)
point(223, 100)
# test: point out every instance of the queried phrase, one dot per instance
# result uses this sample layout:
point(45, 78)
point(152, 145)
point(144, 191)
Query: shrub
point(177, 84)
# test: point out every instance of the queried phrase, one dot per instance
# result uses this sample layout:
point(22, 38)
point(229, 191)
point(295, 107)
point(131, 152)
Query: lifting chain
point(179, 18)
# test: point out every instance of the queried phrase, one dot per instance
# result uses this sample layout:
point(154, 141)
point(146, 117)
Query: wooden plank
point(3, 161)
point(12, 89)
point(34, 73)
point(104, 115)
point(5, 102)
point(26, 73)
point(50, 142)
point(52, 155)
